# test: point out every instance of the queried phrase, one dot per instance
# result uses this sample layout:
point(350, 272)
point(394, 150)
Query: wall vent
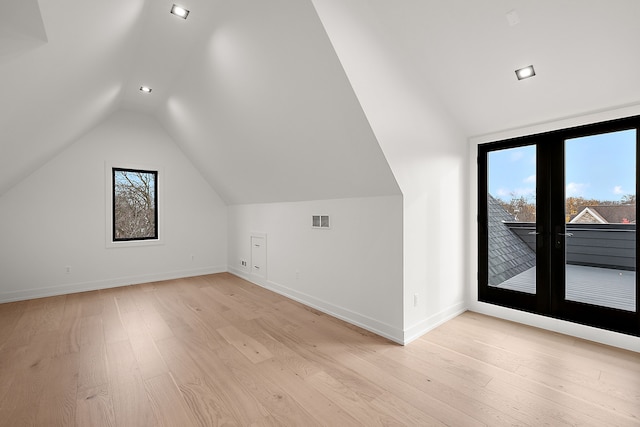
point(320, 221)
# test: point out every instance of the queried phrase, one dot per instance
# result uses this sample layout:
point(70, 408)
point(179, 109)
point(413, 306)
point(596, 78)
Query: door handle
point(559, 240)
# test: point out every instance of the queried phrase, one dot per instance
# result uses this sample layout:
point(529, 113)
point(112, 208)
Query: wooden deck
point(592, 285)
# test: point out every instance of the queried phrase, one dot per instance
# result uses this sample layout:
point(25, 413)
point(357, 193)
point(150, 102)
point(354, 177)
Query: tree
point(521, 208)
point(628, 199)
point(134, 204)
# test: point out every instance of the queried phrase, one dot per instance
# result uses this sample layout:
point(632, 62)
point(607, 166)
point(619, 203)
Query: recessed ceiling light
point(145, 89)
point(526, 72)
point(179, 11)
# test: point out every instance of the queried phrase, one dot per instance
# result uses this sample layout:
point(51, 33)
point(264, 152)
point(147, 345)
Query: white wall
point(574, 329)
point(56, 217)
point(352, 270)
point(426, 151)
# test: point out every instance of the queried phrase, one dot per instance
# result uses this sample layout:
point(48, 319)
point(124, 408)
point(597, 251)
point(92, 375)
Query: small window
point(135, 204)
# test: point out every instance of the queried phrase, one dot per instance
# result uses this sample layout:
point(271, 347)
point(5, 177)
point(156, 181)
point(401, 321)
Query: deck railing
point(596, 245)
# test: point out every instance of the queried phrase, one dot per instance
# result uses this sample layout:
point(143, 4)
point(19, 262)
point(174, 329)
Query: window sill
point(134, 243)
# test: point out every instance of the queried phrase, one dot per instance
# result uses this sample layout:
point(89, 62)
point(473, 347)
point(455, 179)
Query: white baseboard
point(432, 322)
point(362, 321)
point(104, 284)
point(615, 339)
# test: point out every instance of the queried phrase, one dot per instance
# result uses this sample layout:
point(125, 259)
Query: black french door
point(557, 224)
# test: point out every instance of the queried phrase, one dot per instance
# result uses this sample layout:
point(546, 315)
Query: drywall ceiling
point(265, 111)
point(466, 52)
point(251, 91)
point(53, 91)
point(21, 27)
point(257, 98)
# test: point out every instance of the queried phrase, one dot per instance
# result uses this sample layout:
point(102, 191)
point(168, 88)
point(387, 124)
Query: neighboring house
point(605, 214)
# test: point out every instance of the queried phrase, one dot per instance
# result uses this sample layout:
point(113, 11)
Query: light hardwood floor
point(216, 350)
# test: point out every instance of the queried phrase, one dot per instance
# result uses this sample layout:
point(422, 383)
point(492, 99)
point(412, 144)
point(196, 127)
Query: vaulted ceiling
point(255, 95)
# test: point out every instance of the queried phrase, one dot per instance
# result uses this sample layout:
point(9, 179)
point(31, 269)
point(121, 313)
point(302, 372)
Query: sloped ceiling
point(251, 91)
point(466, 52)
point(53, 92)
point(21, 28)
point(265, 110)
point(254, 94)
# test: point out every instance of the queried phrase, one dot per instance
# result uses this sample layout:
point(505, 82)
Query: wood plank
point(131, 405)
point(69, 339)
point(57, 406)
point(218, 350)
point(281, 351)
point(91, 303)
point(204, 397)
point(27, 386)
point(124, 300)
point(239, 400)
point(188, 309)
point(9, 316)
point(243, 308)
point(314, 402)
point(111, 322)
point(155, 323)
point(359, 408)
point(434, 399)
point(276, 395)
point(167, 402)
point(94, 407)
point(246, 345)
point(146, 353)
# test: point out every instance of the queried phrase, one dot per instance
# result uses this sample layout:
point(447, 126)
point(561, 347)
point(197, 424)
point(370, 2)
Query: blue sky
point(598, 167)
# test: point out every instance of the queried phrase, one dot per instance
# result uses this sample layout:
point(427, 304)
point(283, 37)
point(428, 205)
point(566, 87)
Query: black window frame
point(155, 173)
point(547, 301)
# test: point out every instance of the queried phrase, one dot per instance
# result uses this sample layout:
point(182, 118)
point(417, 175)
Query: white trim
point(362, 321)
point(559, 124)
point(108, 167)
point(602, 336)
point(590, 212)
point(432, 322)
point(106, 284)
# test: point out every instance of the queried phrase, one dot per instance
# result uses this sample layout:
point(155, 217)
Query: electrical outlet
point(243, 263)
point(193, 257)
point(67, 269)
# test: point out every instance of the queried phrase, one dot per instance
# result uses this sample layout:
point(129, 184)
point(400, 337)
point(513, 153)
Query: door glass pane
point(600, 220)
point(511, 205)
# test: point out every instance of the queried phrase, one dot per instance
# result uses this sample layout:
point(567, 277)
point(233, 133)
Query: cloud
point(508, 194)
point(575, 189)
point(526, 191)
point(502, 192)
point(618, 190)
point(516, 155)
point(530, 179)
